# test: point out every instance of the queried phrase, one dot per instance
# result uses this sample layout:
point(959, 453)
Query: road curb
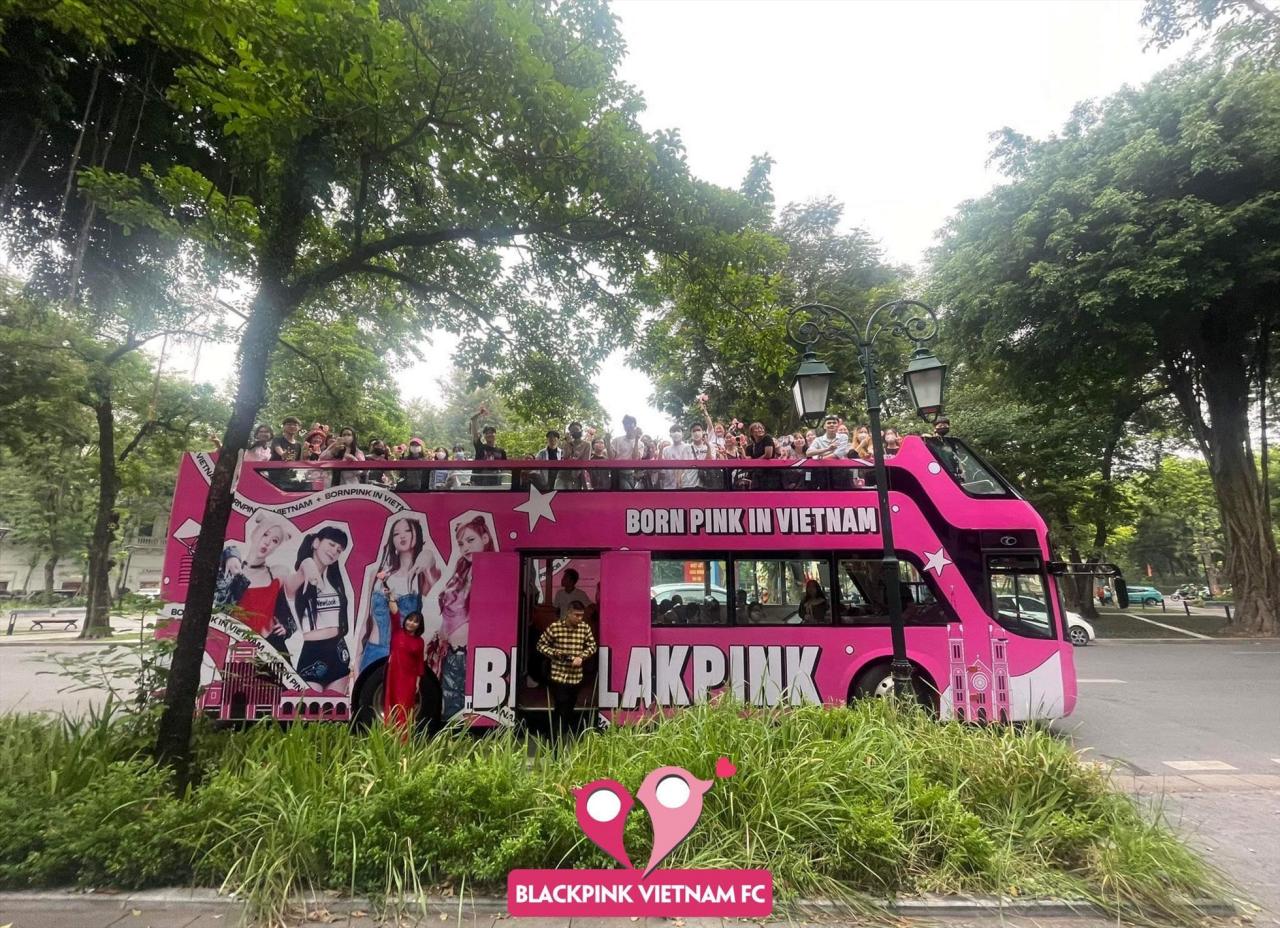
point(935, 906)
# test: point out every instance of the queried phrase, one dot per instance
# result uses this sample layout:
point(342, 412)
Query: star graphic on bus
point(936, 561)
point(538, 506)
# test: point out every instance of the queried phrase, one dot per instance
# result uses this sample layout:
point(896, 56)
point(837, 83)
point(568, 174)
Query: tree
point(43, 496)
point(66, 365)
point(333, 372)
point(478, 162)
point(1135, 254)
point(101, 293)
point(725, 331)
point(1252, 26)
point(447, 420)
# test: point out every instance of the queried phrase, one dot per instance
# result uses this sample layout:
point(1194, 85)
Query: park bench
point(39, 618)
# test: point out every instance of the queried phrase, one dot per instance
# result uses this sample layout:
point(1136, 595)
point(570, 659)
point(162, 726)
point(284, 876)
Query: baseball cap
point(415, 441)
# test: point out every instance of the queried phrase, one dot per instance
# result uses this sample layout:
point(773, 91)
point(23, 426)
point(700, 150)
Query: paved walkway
point(86, 912)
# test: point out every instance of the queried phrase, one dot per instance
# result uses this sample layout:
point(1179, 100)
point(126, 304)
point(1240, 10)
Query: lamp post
point(925, 378)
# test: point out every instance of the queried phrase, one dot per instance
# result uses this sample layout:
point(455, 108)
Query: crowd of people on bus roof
point(706, 440)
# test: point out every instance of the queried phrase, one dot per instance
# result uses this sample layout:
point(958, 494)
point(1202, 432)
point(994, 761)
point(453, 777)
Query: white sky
point(886, 106)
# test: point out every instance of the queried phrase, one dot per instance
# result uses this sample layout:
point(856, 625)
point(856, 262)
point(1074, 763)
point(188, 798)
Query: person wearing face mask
point(679, 450)
point(942, 446)
point(439, 478)
point(892, 442)
point(704, 450)
point(414, 480)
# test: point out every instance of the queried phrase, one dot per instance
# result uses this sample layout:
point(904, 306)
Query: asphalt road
point(1154, 704)
point(30, 679)
point(1204, 716)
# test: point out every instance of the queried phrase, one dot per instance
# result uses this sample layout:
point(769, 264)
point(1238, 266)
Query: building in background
point(139, 563)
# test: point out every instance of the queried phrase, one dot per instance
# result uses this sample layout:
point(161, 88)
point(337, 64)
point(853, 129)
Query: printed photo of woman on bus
point(318, 592)
point(409, 567)
point(446, 652)
point(249, 588)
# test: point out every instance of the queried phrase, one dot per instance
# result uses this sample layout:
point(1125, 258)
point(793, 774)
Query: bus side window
point(863, 599)
point(688, 591)
point(778, 591)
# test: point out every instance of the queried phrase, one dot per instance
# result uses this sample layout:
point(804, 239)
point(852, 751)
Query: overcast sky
point(886, 106)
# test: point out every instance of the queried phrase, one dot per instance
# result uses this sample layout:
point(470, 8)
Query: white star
point(936, 561)
point(538, 506)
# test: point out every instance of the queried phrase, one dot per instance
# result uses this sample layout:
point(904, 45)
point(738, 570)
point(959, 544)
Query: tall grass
point(859, 804)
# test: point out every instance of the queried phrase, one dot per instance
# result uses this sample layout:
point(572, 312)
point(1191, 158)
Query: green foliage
point(1129, 259)
point(338, 373)
point(54, 373)
point(520, 433)
point(725, 330)
point(1250, 26)
point(851, 803)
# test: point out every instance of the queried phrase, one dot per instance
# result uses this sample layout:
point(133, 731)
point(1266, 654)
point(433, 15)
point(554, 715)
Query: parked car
point(1030, 609)
point(688, 592)
point(1145, 596)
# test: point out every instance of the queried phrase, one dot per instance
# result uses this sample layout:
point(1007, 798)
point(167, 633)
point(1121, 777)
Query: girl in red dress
point(404, 666)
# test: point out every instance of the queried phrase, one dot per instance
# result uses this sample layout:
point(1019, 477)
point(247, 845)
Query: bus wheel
point(367, 707)
point(368, 703)
point(876, 682)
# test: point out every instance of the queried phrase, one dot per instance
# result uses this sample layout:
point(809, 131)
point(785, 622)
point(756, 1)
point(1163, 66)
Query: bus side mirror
point(1122, 592)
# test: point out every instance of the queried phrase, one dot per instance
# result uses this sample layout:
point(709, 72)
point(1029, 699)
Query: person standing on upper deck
point(704, 450)
point(892, 442)
point(286, 447)
point(486, 443)
point(629, 446)
point(679, 450)
point(760, 447)
point(576, 448)
point(940, 442)
point(823, 447)
point(551, 452)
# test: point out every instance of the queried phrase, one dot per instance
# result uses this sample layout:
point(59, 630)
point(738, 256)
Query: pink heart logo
point(725, 768)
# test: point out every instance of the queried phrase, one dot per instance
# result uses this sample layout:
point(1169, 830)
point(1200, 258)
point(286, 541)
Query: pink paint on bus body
point(298, 591)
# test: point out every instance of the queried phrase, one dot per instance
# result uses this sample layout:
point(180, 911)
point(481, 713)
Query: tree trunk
point(272, 304)
point(173, 740)
point(1078, 591)
point(49, 566)
point(98, 615)
point(1251, 564)
point(11, 184)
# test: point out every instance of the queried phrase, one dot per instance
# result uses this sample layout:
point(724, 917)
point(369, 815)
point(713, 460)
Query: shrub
point(844, 802)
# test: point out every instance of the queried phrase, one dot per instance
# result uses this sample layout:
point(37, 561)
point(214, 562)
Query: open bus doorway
point(550, 583)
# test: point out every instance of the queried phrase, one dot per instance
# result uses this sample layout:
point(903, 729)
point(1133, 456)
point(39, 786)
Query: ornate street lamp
point(810, 388)
point(926, 380)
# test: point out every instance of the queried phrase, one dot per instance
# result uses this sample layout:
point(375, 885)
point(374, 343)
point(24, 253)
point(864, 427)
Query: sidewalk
point(126, 630)
point(167, 909)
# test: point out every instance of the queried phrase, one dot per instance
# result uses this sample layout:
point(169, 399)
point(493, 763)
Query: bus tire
point(876, 682)
point(369, 701)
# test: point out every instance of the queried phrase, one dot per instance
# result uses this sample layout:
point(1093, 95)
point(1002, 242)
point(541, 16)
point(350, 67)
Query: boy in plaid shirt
point(567, 643)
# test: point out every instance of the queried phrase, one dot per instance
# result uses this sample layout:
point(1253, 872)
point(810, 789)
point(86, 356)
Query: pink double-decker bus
point(763, 582)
